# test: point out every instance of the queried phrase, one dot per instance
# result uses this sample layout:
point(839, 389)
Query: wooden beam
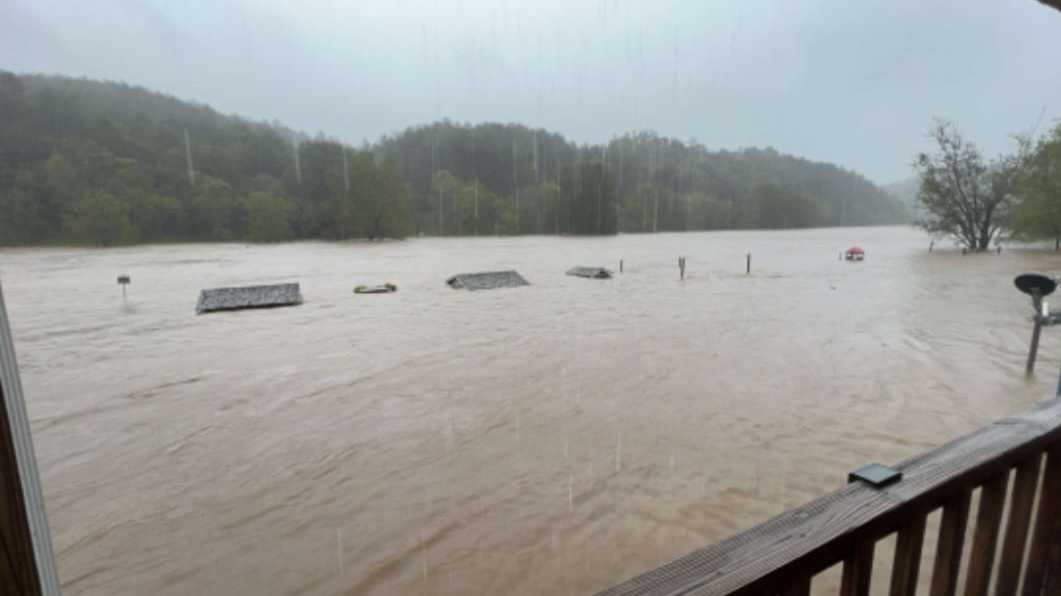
point(26, 562)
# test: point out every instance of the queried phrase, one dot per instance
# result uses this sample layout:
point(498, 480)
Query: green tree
point(444, 185)
point(60, 192)
point(387, 212)
point(538, 203)
point(208, 209)
point(100, 219)
point(19, 217)
point(269, 217)
point(477, 208)
point(505, 220)
point(590, 193)
point(964, 195)
point(156, 217)
point(323, 188)
point(1038, 215)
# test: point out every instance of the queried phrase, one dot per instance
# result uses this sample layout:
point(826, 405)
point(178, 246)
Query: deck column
point(27, 566)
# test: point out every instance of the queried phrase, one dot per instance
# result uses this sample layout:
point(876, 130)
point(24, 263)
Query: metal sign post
point(27, 563)
point(123, 280)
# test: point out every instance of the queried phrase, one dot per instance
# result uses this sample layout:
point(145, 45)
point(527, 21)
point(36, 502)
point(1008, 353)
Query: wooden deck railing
point(1013, 467)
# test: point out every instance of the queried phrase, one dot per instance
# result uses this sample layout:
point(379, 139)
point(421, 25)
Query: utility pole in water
point(515, 179)
point(188, 157)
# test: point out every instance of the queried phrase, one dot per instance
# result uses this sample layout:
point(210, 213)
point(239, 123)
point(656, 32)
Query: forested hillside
point(659, 183)
point(106, 163)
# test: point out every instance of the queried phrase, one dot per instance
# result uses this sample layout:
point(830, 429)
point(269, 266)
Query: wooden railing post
point(1020, 515)
point(949, 548)
point(908, 558)
point(1044, 556)
point(985, 536)
point(799, 588)
point(858, 570)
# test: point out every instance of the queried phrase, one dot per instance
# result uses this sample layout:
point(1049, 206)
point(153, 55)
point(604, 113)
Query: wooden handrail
point(782, 555)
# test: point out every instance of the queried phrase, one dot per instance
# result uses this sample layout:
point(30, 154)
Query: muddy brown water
point(551, 439)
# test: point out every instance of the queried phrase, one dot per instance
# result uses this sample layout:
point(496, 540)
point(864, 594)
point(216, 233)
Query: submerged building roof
point(487, 280)
point(590, 272)
point(248, 297)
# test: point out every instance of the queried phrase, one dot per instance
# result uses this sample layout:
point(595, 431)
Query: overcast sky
point(855, 82)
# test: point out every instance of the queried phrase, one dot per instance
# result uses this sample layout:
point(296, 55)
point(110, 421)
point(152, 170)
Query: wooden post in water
point(748, 268)
point(620, 265)
point(681, 267)
point(27, 564)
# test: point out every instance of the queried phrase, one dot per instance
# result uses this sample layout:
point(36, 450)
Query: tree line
point(654, 184)
point(106, 163)
point(978, 201)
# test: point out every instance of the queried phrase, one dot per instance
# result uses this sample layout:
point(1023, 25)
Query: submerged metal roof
point(487, 280)
point(590, 272)
point(248, 297)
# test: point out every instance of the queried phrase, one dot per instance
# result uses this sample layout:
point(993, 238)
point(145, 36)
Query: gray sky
point(854, 82)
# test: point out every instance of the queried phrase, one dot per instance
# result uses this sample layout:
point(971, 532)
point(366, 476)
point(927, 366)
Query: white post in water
point(346, 172)
point(515, 179)
point(27, 566)
point(298, 162)
point(188, 157)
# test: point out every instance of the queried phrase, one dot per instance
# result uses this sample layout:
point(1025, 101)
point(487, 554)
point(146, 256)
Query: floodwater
point(551, 439)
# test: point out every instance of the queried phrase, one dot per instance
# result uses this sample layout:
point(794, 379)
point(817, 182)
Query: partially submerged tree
point(964, 195)
point(1039, 185)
